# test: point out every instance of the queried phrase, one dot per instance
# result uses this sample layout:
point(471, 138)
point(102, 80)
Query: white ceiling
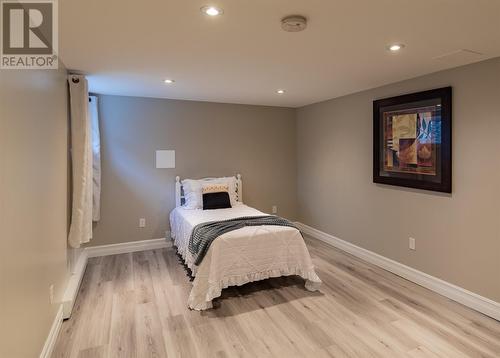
point(127, 47)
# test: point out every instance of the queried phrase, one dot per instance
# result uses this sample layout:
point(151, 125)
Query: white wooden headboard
point(179, 193)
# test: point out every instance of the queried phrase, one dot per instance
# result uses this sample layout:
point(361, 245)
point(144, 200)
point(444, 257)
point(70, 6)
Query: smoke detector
point(294, 23)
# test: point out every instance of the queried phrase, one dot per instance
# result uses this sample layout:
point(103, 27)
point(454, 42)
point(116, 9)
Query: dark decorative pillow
point(219, 200)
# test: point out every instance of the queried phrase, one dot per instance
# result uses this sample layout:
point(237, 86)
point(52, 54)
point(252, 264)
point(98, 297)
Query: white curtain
point(96, 159)
point(81, 155)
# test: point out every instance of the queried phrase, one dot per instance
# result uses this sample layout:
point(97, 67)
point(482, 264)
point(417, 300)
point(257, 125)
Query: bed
point(237, 257)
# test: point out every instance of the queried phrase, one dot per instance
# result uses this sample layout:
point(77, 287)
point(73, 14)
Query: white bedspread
point(240, 256)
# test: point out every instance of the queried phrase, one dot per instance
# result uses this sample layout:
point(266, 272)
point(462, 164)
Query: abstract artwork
point(412, 140)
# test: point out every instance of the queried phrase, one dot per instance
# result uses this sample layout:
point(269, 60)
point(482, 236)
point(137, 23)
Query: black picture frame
point(442, 180)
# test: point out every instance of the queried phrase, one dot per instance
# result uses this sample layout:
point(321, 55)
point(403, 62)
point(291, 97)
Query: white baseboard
point(102, 250)
point(74, 284)
point(451, 291)
point(50, 343)
point(126, 247)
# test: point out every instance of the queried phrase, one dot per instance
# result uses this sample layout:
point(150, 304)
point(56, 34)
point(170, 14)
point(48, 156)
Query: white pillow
point(193, 190)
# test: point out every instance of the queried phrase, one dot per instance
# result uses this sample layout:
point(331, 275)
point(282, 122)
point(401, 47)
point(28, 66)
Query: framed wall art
point(412, 140)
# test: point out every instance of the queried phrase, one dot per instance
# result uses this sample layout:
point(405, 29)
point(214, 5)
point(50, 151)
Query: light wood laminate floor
point(134, 305)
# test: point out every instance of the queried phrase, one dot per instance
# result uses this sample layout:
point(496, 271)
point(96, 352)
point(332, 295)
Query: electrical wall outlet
point(411, 243)
point(142, 222)
point(275, 209)
point(51, 294)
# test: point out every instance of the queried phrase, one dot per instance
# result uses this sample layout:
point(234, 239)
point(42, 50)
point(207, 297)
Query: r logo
point(28, 28)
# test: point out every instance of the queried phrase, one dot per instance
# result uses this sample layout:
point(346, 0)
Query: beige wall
point(33, 206)
point(210, 139)
point(458, 235)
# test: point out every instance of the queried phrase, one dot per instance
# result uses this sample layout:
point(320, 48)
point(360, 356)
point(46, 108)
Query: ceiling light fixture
point(211, 10)
point(395, 47)
point(280, 91)
point(168, 81)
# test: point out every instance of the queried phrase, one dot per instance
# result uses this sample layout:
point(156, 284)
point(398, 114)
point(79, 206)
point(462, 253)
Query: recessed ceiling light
point(168, 81)
point(212, 10)
point(395, 47)
point(280, 91)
